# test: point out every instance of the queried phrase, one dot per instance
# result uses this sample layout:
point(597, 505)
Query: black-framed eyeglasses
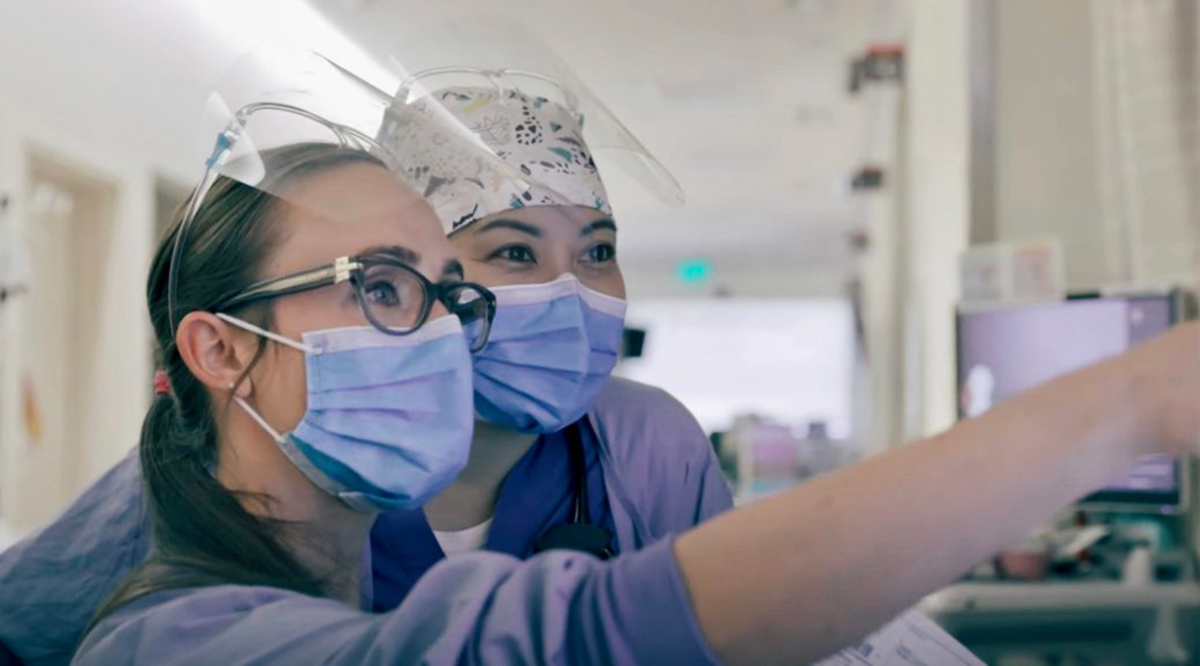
point(395, 298)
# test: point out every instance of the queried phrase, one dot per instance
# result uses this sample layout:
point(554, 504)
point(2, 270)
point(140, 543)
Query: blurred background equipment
point(1115, 578)
point(1005, 350)
point(1013, 273)
point(788, 360)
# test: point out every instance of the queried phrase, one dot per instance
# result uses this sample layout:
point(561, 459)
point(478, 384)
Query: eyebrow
point(394, 251)
point(511, 224)
point(598, 225)
point(453, 268)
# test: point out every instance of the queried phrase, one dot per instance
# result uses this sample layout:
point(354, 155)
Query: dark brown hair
point(202, 533)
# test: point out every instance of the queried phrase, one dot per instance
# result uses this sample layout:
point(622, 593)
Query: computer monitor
point(1005, 350)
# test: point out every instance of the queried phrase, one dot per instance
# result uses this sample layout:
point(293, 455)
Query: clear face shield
point(282, 122)
point(510, 96)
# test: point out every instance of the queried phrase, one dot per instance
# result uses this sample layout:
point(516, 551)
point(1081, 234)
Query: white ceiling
point(745, 102)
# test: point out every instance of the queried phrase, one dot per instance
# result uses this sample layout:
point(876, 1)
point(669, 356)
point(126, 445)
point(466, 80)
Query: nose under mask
point(551, 349)
point(389, 421)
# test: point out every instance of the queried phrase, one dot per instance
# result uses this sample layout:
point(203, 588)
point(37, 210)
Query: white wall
point(6, 537)
point(115, 89)
point(73, 98)
point(936, 206)
point(1045, 134)
point(789, 360)
point(1095, 136)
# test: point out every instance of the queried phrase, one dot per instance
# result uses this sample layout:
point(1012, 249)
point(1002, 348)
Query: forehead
point(549, 220)
point(349, 208)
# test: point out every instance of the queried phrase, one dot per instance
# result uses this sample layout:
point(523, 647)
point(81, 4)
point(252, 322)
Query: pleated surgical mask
point(389, 418)
point(552, 348)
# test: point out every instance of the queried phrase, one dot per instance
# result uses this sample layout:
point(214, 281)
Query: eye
point(386, 286)
point(602, 253)
point(517, 254)
point(381, 292)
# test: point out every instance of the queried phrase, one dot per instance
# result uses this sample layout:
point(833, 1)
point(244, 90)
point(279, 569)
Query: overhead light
point(288, 24)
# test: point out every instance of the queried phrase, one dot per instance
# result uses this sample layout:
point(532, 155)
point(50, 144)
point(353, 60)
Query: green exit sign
point(694, 271)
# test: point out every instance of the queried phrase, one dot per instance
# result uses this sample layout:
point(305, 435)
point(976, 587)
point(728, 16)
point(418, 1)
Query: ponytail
point(203, 534)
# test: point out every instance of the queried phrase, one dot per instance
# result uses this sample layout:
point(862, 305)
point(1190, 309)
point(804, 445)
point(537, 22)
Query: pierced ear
point(211, 351)
point(243, 388)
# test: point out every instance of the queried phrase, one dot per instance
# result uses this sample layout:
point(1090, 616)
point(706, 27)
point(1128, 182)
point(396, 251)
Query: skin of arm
point(837, 557)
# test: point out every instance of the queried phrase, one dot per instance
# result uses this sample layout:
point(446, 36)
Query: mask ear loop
point(275, 337)
point(241, 402)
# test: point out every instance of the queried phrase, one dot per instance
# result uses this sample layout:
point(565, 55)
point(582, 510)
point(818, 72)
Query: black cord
point(579, 471)
point(578, 534)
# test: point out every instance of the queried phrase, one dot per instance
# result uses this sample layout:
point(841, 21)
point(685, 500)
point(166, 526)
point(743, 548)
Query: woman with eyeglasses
point(316, 333)
point(307, 395)
point(319, 376)
point(562, 456)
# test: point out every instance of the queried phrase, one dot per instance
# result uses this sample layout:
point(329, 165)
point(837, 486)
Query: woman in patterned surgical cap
point(563, 454)
point(567, 459)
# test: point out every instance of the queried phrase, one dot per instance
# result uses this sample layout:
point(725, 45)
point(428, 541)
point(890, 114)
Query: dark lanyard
point(579, 534)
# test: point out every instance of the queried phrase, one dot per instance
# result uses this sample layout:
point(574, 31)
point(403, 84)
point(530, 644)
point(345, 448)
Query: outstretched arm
point(796, 576)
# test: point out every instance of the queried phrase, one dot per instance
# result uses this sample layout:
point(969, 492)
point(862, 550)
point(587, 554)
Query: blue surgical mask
point(552, 348)
point(389, 419)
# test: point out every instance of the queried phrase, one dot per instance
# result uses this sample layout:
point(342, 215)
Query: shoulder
point(52, 582)
point(234, 625)
point(630, 404)
point(662, 459)
point(104, 529)
point(177, 626)
point(638, 419)
point(202, 605)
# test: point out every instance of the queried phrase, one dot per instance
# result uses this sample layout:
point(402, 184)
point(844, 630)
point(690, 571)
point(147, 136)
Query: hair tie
point(162, 383)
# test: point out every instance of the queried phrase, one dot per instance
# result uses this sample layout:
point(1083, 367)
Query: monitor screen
point(1007, 350)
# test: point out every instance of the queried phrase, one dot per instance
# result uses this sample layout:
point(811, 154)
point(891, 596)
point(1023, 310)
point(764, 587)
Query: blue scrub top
point(659, 478)
point(537, 495)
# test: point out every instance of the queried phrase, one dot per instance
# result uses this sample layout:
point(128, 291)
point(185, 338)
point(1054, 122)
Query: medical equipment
point(1110, 593)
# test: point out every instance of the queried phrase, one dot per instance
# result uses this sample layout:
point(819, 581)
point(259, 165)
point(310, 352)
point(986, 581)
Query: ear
point(216, 353)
